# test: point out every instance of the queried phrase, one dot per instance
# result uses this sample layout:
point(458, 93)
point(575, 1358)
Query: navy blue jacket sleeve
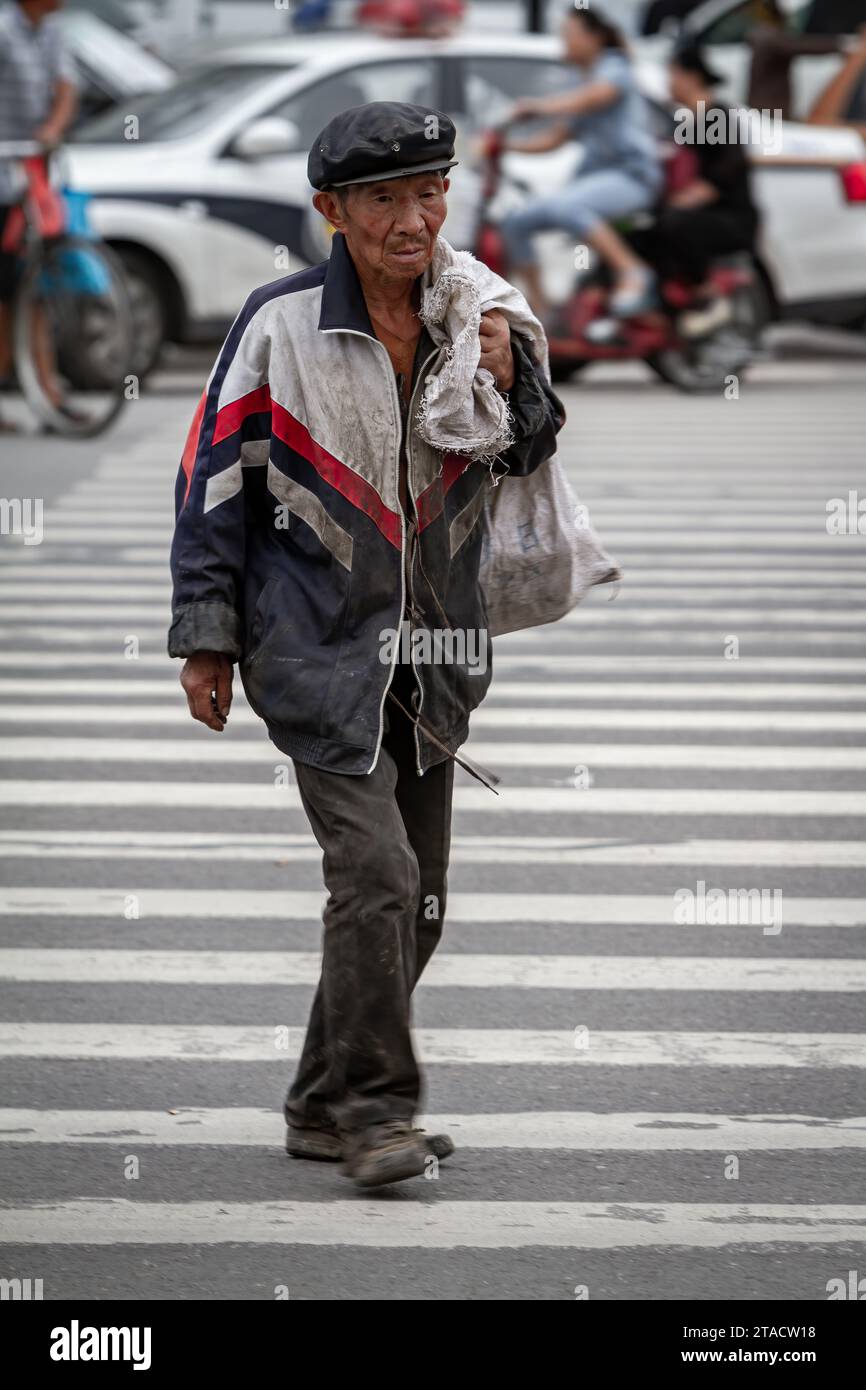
point(537, 416)
point(208, 554)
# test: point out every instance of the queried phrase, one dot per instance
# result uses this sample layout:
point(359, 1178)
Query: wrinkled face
point(581, 44)
point(391, 226)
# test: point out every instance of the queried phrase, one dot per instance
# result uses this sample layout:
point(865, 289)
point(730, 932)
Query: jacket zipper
point(395, 397)
point(410, 496)
point(356, 333)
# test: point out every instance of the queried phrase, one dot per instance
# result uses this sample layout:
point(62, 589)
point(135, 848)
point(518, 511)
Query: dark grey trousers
point(385, 839)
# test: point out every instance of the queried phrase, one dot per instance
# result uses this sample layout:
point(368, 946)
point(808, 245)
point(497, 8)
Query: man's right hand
point(207, 680)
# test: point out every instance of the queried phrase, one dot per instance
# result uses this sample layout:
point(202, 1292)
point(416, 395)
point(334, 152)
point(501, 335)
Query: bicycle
point(71, 316)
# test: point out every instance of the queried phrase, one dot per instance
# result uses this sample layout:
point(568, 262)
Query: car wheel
point(150, 310)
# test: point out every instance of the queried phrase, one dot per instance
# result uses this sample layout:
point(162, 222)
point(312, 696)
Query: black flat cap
point(381, 140)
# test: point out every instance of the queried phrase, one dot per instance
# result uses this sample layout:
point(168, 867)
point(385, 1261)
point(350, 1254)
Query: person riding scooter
point(620, 173)
point(713, 214)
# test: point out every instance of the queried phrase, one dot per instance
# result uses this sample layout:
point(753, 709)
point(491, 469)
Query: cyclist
point(620, 173)
point(37, 102)
point(713, 214)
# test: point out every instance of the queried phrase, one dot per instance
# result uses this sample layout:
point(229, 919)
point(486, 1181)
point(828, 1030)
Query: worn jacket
point(292, 554)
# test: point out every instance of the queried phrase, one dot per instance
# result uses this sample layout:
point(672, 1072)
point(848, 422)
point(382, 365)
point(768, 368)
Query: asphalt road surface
point(655, 1094)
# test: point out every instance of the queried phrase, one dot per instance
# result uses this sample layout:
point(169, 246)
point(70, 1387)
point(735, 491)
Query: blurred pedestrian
point(712, 214)
point(843, 100)
point(784, 31)
point(620, 172)
point(37, 102)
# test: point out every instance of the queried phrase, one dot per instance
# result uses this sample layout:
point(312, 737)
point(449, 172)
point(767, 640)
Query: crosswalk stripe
point(155, 515)
point(732, 561)
point(441, 1046)
point(761, 908)
point(487, 717)
point(102, 638)
point(790, 537)
point(706, 504)
point(759, 692)
point(464, 971)
point(734, 687)
point(156, 506)
point(608, 490)
point(623, 909)
point(564, 756)
point(640, 592)
point(477, 849)
point(590, 616)
point(600, 801)
point(443, 1225)
point(576, 1130)
point(507, 660)
point(690, 586)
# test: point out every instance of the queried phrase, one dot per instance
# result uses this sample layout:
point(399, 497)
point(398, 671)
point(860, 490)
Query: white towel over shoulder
point(461, 410)
point(540, 554)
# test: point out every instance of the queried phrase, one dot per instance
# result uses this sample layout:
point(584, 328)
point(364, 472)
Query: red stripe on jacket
point(232, 416)
point(337, 475)
point(229, 420)
point(431, 501)
point(190, 448)
point(296, 435)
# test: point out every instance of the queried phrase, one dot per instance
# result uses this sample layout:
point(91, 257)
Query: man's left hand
point(496, 349)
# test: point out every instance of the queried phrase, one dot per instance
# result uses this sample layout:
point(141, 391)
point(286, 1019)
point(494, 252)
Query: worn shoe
point(323, 1144)
point(327, 1145)
point(384, 1153)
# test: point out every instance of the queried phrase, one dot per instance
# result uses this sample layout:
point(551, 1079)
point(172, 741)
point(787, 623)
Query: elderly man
point(312, 520)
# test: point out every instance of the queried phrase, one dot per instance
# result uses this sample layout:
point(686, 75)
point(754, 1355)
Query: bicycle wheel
point(73, 336)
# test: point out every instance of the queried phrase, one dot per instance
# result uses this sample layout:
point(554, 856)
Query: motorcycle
point(582, 330)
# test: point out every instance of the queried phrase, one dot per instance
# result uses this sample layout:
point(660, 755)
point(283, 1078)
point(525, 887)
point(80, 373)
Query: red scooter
point(583, 331)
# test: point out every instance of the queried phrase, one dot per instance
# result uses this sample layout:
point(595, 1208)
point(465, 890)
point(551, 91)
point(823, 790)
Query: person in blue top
point(619, 175)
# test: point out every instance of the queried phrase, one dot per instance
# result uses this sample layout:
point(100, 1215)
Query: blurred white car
point(112, 65)
point(204, 193)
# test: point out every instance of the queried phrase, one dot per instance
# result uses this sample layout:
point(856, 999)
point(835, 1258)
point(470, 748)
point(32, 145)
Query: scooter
point(582, 330)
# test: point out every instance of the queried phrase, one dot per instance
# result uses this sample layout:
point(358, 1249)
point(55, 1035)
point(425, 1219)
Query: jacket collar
point(344, 306)
point(343, 303)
